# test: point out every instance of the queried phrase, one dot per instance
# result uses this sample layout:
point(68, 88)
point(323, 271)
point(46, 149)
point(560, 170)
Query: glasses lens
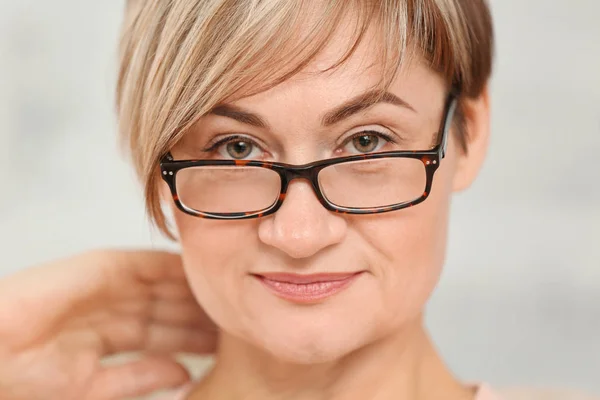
point(373, 183)
point(224, 189)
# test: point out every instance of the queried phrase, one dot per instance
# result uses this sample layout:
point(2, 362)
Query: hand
point(58, 321)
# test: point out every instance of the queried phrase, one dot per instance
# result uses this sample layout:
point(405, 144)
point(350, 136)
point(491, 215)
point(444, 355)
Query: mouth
point(306, 289)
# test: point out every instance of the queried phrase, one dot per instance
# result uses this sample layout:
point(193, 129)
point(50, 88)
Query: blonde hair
point(181, 58)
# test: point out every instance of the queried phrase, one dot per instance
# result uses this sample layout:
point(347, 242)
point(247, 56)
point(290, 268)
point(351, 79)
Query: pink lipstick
point(306, 288)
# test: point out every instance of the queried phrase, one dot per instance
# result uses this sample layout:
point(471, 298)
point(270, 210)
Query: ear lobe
point(477, 125)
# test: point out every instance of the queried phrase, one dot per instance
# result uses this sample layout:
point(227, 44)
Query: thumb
point(137, 378)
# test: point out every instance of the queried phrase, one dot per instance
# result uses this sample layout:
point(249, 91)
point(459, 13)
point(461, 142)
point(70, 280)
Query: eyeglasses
point(368, 183)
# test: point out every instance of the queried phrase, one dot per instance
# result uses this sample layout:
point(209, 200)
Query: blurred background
point(519, 302)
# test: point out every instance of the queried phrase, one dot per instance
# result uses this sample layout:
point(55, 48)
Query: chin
point(307, 345)
point(308, 353)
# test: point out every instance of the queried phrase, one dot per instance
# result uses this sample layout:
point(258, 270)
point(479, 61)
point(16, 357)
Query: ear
point(477, 125)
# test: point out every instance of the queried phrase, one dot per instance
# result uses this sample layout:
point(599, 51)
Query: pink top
point(484, 393)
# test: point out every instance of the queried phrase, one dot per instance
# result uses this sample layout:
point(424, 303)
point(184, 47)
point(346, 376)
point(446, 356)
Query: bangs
point(182, 58)
point(242, 48)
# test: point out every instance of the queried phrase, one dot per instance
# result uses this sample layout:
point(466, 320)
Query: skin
point(367, 341)
point(59, 320)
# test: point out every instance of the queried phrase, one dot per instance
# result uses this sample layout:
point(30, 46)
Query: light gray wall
point(519, 302)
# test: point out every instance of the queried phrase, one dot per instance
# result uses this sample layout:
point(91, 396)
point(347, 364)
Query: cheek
point(408, 248)
point(214, 264)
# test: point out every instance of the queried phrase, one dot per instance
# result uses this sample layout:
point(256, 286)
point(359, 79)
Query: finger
point(129, 325)
point(151, 266)
point(64, 289)
point(137, 378)
point(183, 314)
point(173, 290)
point(135, 335)
point(174, 339)
point(177, 313)
point(132, 274)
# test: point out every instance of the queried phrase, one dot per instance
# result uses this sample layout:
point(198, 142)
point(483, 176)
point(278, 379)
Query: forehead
point(332, 77)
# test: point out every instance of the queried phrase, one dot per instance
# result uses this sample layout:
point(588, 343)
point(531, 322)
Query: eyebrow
point(239, 114)
point(361, 103)
point(349, 108)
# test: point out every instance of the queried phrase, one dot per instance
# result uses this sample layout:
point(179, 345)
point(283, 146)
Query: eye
point(366, 142)
point(236, 147)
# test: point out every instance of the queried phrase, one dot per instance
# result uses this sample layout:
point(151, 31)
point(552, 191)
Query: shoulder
point(540, 394)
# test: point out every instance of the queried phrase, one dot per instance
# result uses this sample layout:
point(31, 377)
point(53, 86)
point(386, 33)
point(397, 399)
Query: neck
point(402, 366)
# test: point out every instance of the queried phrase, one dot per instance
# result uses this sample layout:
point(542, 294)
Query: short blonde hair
point(181, 58)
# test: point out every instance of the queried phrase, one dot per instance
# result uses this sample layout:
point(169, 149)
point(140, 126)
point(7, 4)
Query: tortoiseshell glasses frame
point(287, 172)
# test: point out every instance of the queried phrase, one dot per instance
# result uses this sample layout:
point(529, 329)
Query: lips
point(304, 279)
point(306, 288)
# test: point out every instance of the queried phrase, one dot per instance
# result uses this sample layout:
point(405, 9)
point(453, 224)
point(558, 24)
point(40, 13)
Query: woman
point(307, 153)
point(304, 154)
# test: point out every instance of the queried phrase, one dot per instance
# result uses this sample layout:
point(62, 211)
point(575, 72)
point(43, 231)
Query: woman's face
point(398, 255)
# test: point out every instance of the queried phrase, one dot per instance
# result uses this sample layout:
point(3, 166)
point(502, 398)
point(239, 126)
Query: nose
point(302, 226)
